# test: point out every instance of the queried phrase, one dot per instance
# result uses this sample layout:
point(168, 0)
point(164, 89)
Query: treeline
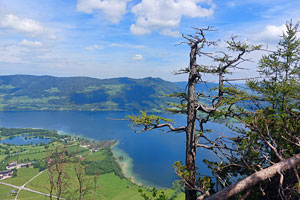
point(12, 132)
point(107, 165)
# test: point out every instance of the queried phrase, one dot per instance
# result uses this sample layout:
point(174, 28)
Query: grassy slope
point(109, 187)
point(24, 92)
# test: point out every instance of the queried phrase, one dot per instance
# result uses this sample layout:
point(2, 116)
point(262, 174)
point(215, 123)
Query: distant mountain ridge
point(28, 92)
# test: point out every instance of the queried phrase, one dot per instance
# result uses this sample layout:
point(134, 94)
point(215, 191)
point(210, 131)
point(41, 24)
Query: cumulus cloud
point(164, 15)
point(137, 57)
point(113, 10)
point(270, 33)
point(21, 25)
point(27, 26)
point(31, 43)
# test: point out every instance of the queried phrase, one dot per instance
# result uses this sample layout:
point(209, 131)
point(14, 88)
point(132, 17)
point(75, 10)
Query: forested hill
point(26, 92)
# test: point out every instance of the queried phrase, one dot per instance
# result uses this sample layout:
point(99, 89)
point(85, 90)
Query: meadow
point(100, 167)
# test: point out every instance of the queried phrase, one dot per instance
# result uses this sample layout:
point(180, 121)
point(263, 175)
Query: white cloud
point(94, 47)
point(164, 15)
point(27, 26)
point(21, 25)
point(24, 52)
point(52, 37)
point(112, 45)
point(113, 10)
point(31, 43)
point(232, 4)
point(270, 33)
point(138, 57)
point(170, 33)
point(126, 45)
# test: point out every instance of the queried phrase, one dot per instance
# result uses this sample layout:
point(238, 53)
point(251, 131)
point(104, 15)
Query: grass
point(25, 195)
point(2, 157)
point(40, 183)
point(23, 175)
point(109, 186)
point(4, 191)
point(99, 155)
point(28, 156)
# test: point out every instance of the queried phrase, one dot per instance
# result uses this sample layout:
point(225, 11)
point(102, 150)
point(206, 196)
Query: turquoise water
point(149, 155)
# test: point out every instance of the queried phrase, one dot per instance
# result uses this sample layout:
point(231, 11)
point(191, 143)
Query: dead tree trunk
point(190, 155)
point(252, 180)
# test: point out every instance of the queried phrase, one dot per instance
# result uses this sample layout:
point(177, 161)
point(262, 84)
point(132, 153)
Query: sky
point(129, 38)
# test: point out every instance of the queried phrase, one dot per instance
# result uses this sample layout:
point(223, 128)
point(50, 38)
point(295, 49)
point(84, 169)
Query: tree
point(269, 143)
point(82, 180)
point(191, 106)
point(50, 175)
point(58, 176)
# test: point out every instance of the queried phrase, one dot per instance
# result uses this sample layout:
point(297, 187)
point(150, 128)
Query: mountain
point(200, 87)
point(27, 92)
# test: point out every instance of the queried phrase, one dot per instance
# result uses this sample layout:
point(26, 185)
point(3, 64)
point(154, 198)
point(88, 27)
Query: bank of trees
point(265, 147)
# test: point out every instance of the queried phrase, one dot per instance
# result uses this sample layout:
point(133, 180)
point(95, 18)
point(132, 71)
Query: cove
point(149, 155)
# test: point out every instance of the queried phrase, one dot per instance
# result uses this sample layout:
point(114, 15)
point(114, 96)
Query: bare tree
point(57, 174)
point(95, 178)
point(83, 183)
point(50, 174)
point(191, 106)
point(59, 169)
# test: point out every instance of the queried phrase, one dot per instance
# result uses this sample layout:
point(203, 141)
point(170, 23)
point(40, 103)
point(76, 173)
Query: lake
point(23, 140)
point(149, 156)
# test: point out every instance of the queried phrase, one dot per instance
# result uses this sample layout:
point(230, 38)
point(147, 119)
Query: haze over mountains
point(27, 92)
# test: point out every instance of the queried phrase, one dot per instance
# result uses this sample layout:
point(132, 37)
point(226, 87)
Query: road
point(28, 189)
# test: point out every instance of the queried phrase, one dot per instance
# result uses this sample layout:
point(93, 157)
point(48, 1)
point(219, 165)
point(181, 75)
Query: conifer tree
point(271, 132)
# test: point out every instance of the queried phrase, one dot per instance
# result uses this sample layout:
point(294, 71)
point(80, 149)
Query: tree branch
point(255, 178)
point(177, 129)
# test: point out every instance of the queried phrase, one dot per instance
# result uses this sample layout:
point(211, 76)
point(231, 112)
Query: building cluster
point(8, 173)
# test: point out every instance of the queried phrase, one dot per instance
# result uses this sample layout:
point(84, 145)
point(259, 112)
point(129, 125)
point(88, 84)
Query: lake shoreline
point(152, 153)
point(126, 164)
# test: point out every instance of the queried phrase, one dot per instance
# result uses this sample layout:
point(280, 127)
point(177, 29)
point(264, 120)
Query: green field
point(4, 191)
point(25, 195)
point(23, 175)
point(110, 183)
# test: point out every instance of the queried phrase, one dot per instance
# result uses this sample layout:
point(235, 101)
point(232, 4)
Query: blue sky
point(132, 38)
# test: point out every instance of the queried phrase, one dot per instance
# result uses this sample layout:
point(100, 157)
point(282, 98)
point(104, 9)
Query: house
point(13, 192)
point(6, 174)
point(12, 165)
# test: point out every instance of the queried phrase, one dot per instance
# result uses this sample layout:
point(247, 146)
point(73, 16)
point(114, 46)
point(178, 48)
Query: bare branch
point(259, 176)
point(171, 128)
